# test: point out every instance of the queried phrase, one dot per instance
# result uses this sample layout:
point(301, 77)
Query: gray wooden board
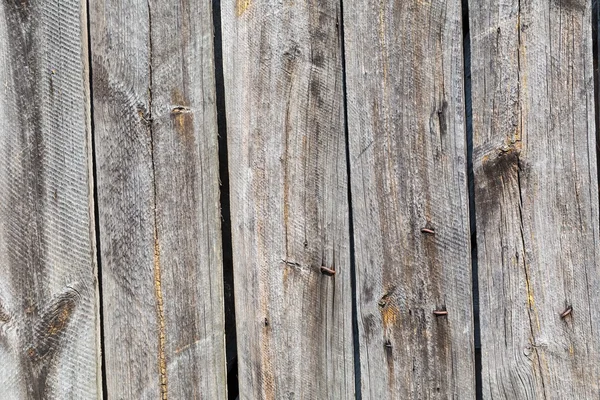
point(289, 206)
point(407, 142)
point(157, 163)
point(48, 288)
point(536, 193)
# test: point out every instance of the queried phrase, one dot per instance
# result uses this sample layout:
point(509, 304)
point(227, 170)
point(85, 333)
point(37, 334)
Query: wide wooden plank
point(49, 322)
point(406, 128)
point(156, 149)
point(536, 193)
point(289, 206)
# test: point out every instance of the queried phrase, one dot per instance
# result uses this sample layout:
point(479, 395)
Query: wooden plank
point(289, 206)
point(406, 128)
point(536, 198)
point(156, 135)
point(49, 332)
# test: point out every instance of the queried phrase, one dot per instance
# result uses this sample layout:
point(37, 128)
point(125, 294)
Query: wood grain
point(48, 279)
point(536, 193)
point(289, 206)
point(407, 142)
point(156, 149)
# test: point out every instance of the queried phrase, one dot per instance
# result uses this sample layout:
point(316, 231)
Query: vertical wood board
point(406, 127)
point(156, 148)
point(289, 206)
point(536, 193)
point(49, 327)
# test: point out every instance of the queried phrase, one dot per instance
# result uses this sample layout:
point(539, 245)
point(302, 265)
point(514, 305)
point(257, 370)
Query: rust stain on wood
point(59, 323)
point(389, 314)
point(58, 316)
point(182, 115)
point(162, 361)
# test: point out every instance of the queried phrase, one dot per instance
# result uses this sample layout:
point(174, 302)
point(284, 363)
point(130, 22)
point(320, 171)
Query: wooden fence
point(313, 160)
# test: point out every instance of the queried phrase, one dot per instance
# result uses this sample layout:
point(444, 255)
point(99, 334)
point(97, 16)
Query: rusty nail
point(439, 313)
point(266, 322)
point(180, 109)
point(427, 230)
point(388, 344)
point(327, 271)
point(566, 312)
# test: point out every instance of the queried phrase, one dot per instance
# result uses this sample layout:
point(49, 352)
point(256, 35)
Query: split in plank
point(158, 190)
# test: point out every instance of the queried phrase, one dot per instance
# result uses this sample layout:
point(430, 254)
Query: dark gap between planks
point(471, 186)
point(355, 337)
point(230, 330)
point(596, 74)
point(95, 195)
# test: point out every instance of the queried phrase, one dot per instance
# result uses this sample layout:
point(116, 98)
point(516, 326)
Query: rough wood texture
point(410, 204)
point(536, 198)
point(289, 206)
point(156, 142)
point(48, 288)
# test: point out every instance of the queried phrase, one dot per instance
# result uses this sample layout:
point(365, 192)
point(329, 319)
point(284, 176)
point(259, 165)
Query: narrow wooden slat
point(156, 142)
point(289, 207)
point(48, 279)
point(536, 193)
point(410, 200)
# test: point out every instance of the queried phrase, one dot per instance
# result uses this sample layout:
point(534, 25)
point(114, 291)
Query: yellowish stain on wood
point(530, 301)
point(389, 315)
point(242, 6)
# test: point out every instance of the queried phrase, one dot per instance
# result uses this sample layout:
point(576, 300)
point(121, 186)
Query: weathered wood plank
point(156, 135)
point(48, 279)
point(536, 193)
point(410, 201)
point(289, 206)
